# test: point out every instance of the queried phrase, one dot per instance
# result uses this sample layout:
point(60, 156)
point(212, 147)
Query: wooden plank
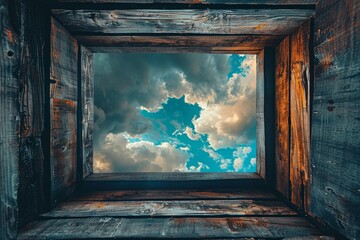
point(86, 89)
point(34, 76)
point(170, 180)
point(282, 116)
point(260, 122)
point(175, 208)
point(110, 228)
point(231, 50)
point(202, 2)
point(173, 195)
point(335, 136)
point(10, 59)
point(300, 117)
point(180, 43)
point(184, 21)
point(63, 119)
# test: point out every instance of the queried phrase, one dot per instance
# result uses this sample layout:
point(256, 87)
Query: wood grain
point(63, 113)
point(10, 60)
point(335, 136)
point(170, 180)
point(173, 195)
point(260, 121)
point(205, 2)
point(282, 116)
point(187, 21)
point(110, 228)
point(86, 89)
point(33, 77)
point(300, 117)
point(214, 208)
point(180, 43)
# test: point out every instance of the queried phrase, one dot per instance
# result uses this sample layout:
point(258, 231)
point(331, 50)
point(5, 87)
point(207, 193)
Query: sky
point(187, 112)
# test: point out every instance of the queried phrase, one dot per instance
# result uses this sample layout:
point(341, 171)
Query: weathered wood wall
point(260, 121)
point(63, 112)
point(86, 121)
point(35, 56)
point(10, 62)
point(292, 148)
point(23, 75)
point(335, 135)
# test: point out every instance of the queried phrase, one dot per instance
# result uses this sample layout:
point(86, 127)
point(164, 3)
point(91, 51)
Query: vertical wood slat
point(63, 113)
point(282, 111)
point(260, 125)
point(9, 121)
point(335, 133)
point(32, 109)
point(300, 117)
point(86, 94)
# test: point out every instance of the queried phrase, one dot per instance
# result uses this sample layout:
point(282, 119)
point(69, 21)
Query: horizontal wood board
point(214, 208)
point(183, 21)
point(110, 228)
point(173, 195)
point(202, 2)
point(179, 43)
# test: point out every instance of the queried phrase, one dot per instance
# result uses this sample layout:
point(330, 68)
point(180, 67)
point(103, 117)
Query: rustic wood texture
point(215, 208)
point(170, 180)
point(300, 117)
point(260, 124)
point(86, 88)
point(110, 228)
point(186, 21)
point(282, 115)
point(173, 195)
point(63, 113)
point(335, 136)
point(33, 76)
point(205, 2)
point(10, 59)
point(180, 43)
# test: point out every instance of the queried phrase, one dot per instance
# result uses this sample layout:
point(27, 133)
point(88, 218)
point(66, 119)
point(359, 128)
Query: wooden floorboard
point(173, 195)
point(116, 228)
point(203, 208)
point(170, 181)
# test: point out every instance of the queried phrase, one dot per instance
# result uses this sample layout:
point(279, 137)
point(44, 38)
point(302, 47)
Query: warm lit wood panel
point(282, 116)
point(300, 117)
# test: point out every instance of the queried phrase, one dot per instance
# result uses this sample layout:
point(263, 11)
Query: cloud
point(253, 161)
point(120, 155)
point(233, 121)
point(238, 164)
point(242, 152)
point(225, 163)
point(200, 167)
point(214, 155)
point(191, 134)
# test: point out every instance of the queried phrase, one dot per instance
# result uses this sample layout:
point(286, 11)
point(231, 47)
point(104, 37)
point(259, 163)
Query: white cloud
point(119, 155)
point(253, 161)
point(186, 149)
point(225, 163)
point(199, 168)
point(191, 134)
point(232, 121)
point(214, 155)
point(238, 164)
point(242, 152)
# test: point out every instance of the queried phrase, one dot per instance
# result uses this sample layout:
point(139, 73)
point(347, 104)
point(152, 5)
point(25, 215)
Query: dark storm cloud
point(124, 82)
